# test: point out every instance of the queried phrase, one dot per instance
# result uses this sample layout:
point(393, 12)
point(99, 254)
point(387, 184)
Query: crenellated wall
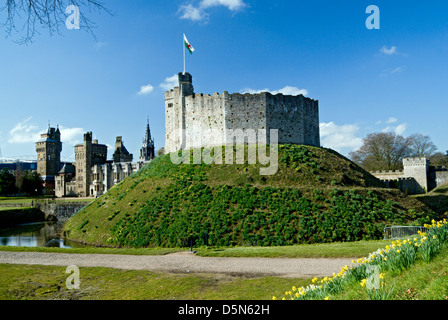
point(417, 177)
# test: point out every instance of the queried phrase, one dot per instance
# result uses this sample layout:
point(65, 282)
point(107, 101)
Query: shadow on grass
point(438, 203)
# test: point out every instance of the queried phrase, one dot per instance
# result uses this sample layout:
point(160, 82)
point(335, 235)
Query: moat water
point(40, 234)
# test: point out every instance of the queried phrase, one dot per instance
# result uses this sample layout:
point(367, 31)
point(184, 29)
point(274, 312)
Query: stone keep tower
point(48, 150)
point(188, 114)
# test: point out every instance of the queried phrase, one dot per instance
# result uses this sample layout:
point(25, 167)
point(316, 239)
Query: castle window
point(170, 105)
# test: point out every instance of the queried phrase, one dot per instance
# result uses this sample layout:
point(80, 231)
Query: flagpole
point(184, 52)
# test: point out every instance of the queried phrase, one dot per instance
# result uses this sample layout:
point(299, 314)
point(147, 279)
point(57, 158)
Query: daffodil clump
point(377, 289)
point(396, 257)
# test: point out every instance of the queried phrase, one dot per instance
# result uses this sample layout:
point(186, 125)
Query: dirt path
point(186, 263)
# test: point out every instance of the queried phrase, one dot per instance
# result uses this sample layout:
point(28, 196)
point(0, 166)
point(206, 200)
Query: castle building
point(147, 151)
point(417, 177)
point(121, 154)
point(91, 175)
point(187, 115)
point(87, 154)
point(48, 149)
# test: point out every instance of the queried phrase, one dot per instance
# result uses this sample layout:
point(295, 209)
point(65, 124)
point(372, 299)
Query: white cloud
point(169, 82)
point(147, 89)
point(198, 13)
point(192, 13)
point(399, 129)
point(71, 136)
point(393, 71)
point(288, 90)
point(391, 120)
point(340, 137)
point(232, 5)
point(389, 51)
point(398, 70)
point(101, 44)
point(24, 132)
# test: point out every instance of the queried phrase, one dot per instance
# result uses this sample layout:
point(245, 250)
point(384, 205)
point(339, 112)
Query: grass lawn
point(13, 208)
point(48, 282)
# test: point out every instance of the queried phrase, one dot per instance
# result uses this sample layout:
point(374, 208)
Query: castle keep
point(187, 115)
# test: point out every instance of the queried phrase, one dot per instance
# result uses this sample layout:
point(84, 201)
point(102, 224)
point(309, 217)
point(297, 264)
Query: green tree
point(32, 183)
point(7, 183)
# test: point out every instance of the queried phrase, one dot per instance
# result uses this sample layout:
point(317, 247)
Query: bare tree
point(439, 159)
point(48, 14)
point(422, 146)
point(382, 151)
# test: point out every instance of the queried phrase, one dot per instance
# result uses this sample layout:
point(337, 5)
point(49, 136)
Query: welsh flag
point(188, 45)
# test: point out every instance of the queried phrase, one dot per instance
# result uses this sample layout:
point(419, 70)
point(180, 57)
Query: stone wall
point(441, 177)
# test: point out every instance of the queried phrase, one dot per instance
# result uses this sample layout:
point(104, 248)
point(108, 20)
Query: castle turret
point(48, 149)
point(186, 84)
point(87, 155)
point(121, 154)
point(147, 150)
point(417, 168)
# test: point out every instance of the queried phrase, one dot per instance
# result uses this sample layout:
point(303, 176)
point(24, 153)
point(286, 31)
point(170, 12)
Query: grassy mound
point(317, 195)
point(436, 199)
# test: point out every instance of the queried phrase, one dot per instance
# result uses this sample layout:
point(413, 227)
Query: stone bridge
point(57, 209)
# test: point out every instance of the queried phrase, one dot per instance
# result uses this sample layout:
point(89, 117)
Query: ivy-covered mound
point(316, 196)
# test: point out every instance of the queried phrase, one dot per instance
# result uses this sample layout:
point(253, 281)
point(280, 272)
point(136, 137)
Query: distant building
point(87, 154)
point(14, 165)
point(65, 182)
point(121, 154)
point(147, 151)
point(92, 174)
point(48, 149)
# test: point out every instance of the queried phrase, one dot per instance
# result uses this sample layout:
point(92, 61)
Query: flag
point(188, 45)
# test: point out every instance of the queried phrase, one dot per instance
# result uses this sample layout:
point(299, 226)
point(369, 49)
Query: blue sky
point(391, 79)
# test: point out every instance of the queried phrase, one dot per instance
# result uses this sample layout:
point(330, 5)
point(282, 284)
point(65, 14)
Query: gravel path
point(186, 262)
